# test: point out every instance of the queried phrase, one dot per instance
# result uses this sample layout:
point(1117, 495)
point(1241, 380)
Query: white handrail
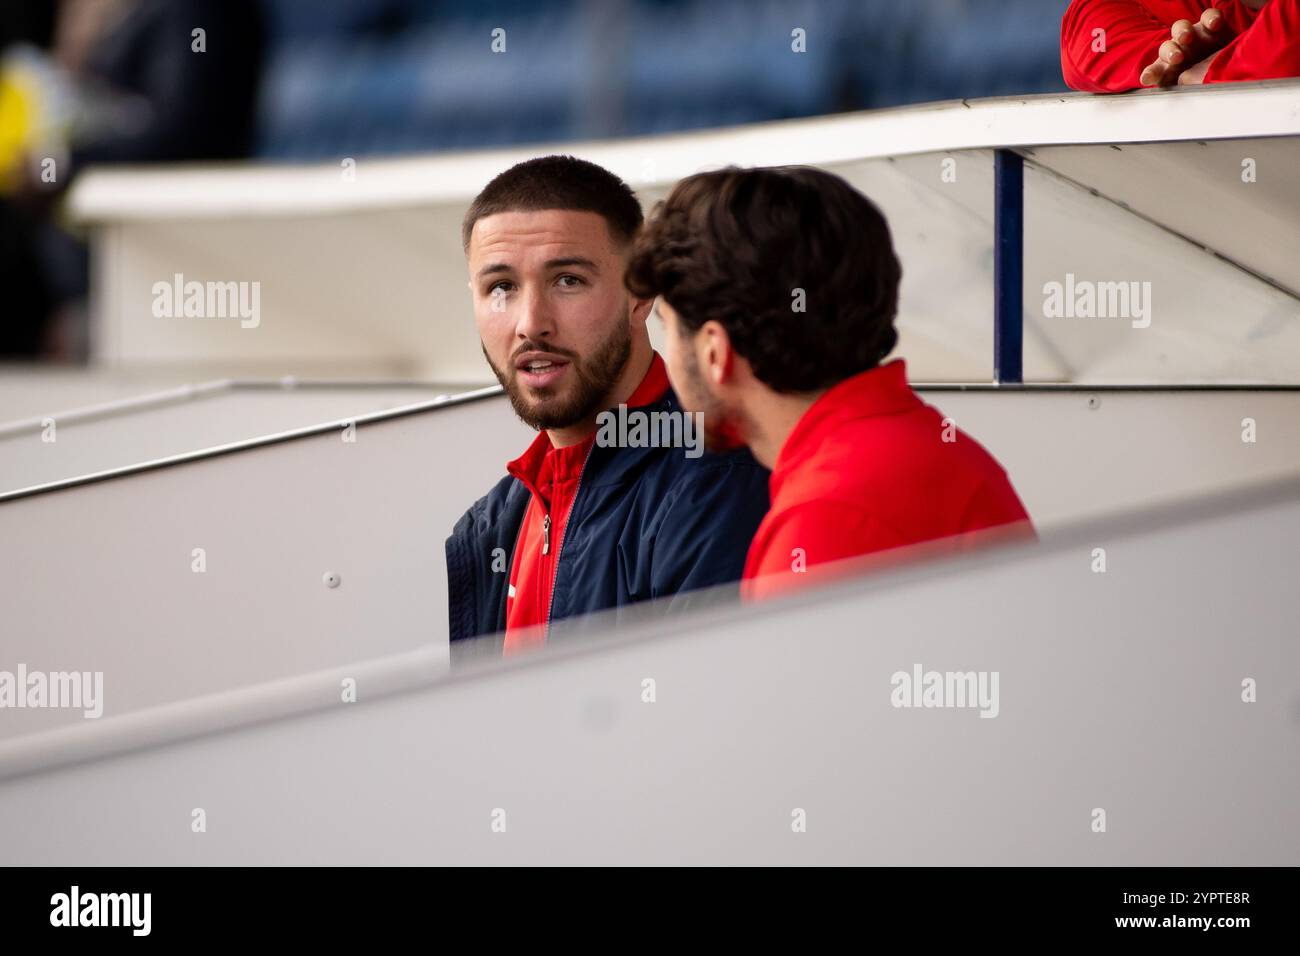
point(1229, 111)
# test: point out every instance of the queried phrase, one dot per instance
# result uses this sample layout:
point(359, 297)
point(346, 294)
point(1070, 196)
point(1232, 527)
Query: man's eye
point(500, 288)
point(570, 281)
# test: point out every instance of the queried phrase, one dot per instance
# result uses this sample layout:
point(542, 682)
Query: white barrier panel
point(1075, 455)
point(198, 577)
point(1167, 307)
point(1252, 227)
point(202, 577)
point(1121, 285)
point(58, 445)
point(1144, 715)
point(348, 267)
point(31, 389)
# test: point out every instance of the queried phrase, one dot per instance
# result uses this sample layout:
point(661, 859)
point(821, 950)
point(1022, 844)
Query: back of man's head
point(793, 262)
point(559, 182)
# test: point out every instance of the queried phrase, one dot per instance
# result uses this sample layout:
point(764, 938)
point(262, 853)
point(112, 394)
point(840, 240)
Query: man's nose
point(534, 318)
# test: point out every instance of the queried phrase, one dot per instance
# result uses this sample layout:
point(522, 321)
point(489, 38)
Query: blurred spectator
point(125, 81)
point(26, 293)
point(196, 91)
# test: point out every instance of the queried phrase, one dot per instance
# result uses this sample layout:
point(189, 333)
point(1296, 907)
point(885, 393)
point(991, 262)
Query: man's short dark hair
point(743, 247)
point(559, 182)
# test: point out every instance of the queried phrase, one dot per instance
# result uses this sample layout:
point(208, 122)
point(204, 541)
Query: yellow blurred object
point(17, 112)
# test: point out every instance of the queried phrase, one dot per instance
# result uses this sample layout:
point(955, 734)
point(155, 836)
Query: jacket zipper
point(559, 546)
point(505, 603)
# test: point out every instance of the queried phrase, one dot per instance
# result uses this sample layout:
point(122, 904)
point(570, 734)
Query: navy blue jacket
point(646, 523)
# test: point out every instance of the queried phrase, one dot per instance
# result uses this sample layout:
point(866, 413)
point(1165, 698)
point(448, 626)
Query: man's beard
point(723, 430)
point(594, 378)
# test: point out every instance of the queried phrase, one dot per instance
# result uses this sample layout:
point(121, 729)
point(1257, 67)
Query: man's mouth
point(538, 370)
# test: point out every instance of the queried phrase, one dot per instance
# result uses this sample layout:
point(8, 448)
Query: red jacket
point(868, 468)
point(1266, 43)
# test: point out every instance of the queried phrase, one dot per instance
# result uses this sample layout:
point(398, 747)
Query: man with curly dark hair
point(779, 289)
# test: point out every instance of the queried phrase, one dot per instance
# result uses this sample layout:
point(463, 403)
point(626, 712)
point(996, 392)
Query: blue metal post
point(1008, 267)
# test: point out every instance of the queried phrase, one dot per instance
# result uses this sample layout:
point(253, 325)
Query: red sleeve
point(1131, 33)
point(808, 537)
point(994, 503)
point(1268, 50)
point(1108, 61)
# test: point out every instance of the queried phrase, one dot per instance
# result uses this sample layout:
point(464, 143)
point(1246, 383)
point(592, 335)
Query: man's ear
point(714, 353)
point(640, 312)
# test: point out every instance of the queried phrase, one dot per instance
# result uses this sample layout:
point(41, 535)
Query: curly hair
point(747, 247)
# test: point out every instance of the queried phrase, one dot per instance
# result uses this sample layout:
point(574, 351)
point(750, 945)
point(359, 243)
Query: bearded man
point(580, 525)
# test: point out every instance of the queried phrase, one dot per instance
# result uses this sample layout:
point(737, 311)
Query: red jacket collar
point(567, 462)
point(653, 386)
point(882, 390)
